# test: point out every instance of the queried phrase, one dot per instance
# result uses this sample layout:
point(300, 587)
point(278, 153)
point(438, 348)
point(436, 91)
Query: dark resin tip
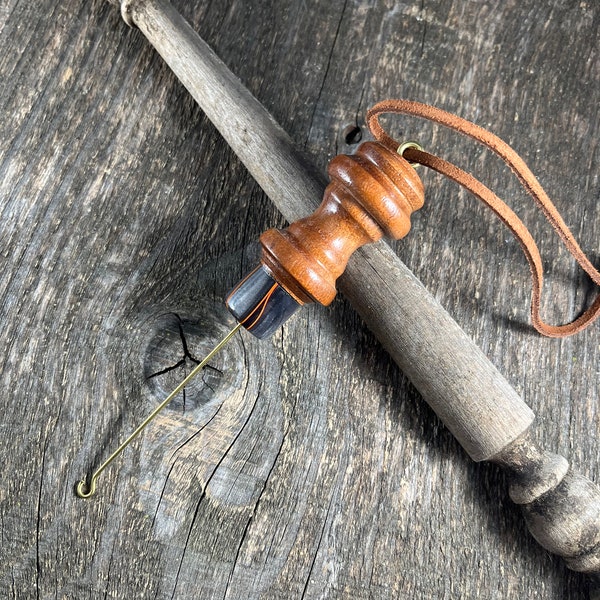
point(260, 304)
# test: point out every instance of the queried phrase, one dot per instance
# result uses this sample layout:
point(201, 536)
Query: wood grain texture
point(313, 469)
point(471, 397)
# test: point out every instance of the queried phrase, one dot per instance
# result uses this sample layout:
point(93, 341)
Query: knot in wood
point(372, 193)
point(176, 344)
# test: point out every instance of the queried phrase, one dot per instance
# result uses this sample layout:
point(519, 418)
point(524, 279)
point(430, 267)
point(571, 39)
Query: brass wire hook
point(86, 490)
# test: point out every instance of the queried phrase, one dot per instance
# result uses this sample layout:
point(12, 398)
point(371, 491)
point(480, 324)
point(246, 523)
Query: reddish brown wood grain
point(372, 193)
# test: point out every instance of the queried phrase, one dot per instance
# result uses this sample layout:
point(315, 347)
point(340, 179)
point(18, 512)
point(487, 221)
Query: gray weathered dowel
point(472, 398)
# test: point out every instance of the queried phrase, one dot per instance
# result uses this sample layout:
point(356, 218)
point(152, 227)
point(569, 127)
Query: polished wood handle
point(372, 193)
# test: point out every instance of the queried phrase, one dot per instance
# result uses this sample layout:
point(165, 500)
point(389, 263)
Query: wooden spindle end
point(561, 507)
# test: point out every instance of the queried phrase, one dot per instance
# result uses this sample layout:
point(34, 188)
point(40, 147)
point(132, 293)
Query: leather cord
point(499, 207)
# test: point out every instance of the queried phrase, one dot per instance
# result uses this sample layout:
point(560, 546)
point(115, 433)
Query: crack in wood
point(328, 66)
point(182, 362)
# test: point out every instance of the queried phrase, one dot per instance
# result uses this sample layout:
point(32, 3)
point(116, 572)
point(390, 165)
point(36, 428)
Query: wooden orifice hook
point(371, 193)
point(475, 402)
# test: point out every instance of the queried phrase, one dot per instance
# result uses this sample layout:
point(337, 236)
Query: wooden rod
point(472, 398)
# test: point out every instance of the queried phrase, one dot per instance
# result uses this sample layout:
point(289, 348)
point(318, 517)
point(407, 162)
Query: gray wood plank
point(313, 468)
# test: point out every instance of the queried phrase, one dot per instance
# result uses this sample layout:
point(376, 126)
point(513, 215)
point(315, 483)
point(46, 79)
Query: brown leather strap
point(506, 215)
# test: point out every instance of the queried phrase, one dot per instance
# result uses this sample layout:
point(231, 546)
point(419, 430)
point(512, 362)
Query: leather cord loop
point(499, 207)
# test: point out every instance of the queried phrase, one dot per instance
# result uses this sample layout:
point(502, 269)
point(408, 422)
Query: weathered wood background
point(305, 466)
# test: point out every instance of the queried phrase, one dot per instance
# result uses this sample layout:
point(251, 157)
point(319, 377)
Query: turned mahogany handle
point(372, 193)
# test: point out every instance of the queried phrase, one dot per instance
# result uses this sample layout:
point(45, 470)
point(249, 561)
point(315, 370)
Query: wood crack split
point(187, 540)
point(39, 520)
point(329, 59)
point(195, 434)
point(251, 518)
point(110, 563)
point(178, 364)
point(203, 495)
point(186, 350)
point(162, 492)
point(237, 553)
point(203, 426)
point(181, 362)
point(314, 560)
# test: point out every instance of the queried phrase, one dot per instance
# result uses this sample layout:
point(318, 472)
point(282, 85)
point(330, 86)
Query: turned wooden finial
point(561, 506)
point(372, 193)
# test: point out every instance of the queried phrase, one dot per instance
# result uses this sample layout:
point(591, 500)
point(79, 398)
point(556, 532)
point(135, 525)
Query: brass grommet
point(406, 146)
